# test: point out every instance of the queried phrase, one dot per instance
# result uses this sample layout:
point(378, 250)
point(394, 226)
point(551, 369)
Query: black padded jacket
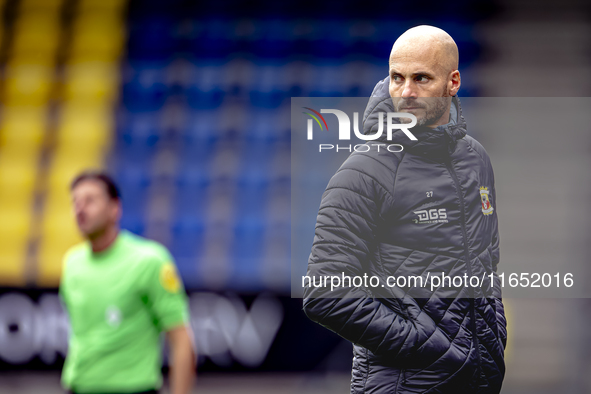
point(427, 210)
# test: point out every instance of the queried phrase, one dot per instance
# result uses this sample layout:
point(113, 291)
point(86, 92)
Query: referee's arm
point(168, 302)
point(183, 359)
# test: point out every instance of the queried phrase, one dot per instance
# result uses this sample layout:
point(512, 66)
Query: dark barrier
point(262, 332)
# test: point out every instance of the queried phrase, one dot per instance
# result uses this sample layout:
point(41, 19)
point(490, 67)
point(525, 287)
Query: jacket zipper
point(454, 176)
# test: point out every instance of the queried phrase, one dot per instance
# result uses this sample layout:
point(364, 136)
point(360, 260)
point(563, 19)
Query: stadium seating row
point(194, 124)
point(205, 85)
point(60, 82)
point(160, 36)
point(85, 122)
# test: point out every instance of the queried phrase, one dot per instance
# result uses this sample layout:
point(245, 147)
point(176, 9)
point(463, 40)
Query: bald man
point(424, 63)
point(421, 226)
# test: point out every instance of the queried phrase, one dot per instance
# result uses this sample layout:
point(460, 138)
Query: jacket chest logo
point(428, 216)
point(487, 207)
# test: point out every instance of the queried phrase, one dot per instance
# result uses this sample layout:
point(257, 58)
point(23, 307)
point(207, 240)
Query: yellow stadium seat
point(81, 125)
point(65, 166)
point(58, 198)
point(28, 84)
point(12, 267)
point(16, 199)
point(114, 6)
point(17, 175)
point(95, 45)
point(92, 82)
point(94, 56)
point(58, 234)
point(35, 44)
point(15, 223)
point(108, 23)
point(27, 6)
point(60, 180)
point(41, 21)
point(19, 155)
point(35, 57)
point(36, 38)
point(50, 258)
point(72, 155)
point(17, 186)
point(23, 126)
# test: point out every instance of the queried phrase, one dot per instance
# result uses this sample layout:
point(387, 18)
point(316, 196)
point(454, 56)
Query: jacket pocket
point(456, 355)
point(451, 370)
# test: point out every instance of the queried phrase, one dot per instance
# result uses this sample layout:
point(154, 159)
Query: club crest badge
point(487, 208)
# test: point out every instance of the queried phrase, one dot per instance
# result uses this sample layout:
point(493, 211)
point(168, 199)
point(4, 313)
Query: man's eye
point(396, 78)
point(422, 78)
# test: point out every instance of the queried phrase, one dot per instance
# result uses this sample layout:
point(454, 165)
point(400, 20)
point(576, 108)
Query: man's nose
point(409, 90)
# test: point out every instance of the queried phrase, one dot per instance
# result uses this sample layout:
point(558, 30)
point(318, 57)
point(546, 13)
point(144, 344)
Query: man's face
point(95, 210)
point(421, 86)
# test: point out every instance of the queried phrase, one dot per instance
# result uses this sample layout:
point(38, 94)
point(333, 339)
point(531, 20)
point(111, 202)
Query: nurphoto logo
point(344, 131)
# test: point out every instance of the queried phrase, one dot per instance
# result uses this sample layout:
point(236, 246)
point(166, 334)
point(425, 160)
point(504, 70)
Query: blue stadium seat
point(234, 67)
point(134, 179)
point(255, 170)
point(202, 128)
point(133, 149)
point(134, 196)
point(272, 39)
point(268, 89)
point(463, 35)
point(133, 223)
point(131, 173)
point(188, 232)
point(142, 8)
point(187, 244)
point(152, 38)
point(328, 80)
point(268, 126)
point(251, 200)
point(247, 253)
point(145, 87)
point(191, 195)
point(205, 90)
point(138, 129)
point(330, 39)
point(212, 38)
point(188, 224)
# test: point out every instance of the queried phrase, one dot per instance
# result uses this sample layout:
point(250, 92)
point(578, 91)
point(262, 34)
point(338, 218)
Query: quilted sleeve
point(348, 220)
point(500, 309)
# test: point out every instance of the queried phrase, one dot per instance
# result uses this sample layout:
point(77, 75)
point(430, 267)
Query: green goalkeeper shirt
point(119, 301)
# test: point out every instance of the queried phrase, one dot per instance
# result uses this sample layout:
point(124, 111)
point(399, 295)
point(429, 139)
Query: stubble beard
point(434, 108)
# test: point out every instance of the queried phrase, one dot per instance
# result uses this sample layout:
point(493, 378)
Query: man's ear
point(119, 210)
point(454, 83)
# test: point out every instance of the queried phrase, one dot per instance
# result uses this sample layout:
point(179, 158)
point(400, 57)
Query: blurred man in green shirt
point(120, 291)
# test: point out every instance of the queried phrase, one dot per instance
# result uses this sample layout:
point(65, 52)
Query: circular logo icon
point(113, 316)
point(169, 278)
